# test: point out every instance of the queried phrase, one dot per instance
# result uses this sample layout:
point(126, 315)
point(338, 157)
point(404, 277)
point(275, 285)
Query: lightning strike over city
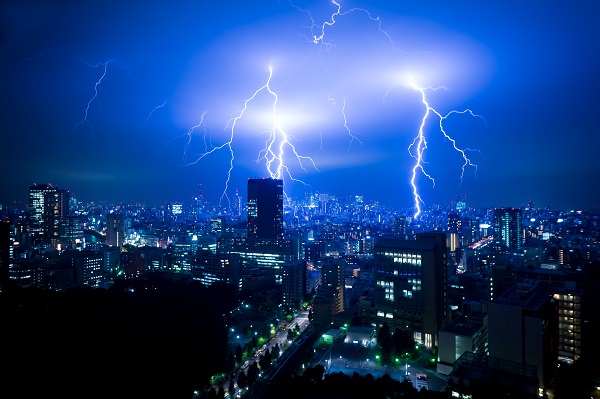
point(316, 119)
point(279, 141)
point(300, 198)
point(277, 148)
point(418, 146)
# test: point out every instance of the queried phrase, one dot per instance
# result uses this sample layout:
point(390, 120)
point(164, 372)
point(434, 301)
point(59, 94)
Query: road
point(300, 319)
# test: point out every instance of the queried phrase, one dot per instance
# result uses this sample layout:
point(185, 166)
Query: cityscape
point(461, 302)
point(300, 198)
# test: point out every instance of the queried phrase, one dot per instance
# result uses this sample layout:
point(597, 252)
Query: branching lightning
point(85, 119)
point(418, 146)
point(278, 143)
point(320, 36)
point(104, 68)
point(350, 131)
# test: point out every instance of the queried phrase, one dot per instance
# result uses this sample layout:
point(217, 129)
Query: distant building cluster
point(501, 290)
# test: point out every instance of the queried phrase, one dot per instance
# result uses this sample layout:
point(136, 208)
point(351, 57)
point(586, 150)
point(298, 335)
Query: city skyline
point(138, 103)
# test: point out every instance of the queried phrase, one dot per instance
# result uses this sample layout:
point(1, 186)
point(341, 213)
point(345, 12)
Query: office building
point(293, 284)
point(265, 208)
point(56, 207)
point(333, 282)
point(411, 287)
point(522, 327)
point(478, 376)
point(71, 233)
point(87, 267)
point(465, 334)
point(44, 210)
point(209, 268)
point(509, 235)
point(114, 229)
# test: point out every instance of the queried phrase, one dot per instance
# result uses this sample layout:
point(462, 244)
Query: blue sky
point(101, 98)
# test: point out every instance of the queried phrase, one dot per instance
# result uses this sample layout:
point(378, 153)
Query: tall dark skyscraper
point(508, 230)
point(265, 208)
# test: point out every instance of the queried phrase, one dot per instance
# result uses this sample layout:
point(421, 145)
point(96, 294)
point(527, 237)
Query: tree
point(386, 343)
point(403, 343)
point(262, 362)
point(212, 394)
point(230, 362)
point(252, 373)
point(238, 353)
point(356, 319)
point(231, 389)
point(268, 358)
point(242, 381)
point(315, 373)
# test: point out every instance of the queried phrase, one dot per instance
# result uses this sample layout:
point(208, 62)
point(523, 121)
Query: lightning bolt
point(277, 145)
point(351, 133)
point(104, 66)
point(189, 135)
point(154, 110)
point(29, 59)
point(418, 146)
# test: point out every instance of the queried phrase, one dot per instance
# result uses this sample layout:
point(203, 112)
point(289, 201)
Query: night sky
point(101, 98)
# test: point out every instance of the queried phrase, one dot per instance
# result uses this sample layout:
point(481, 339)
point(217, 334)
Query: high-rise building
point(47, 206)
point(114, 229)
point(5, 252)
point(508, 230)
point(293, 284)
point(522, 327)
point(71, 232)
point(265, 208)
point(570, 324)
point(401, 227)
point(454, 223)
point(37, 197)
point(411, 287)
point(56, 207)
point(332, 279)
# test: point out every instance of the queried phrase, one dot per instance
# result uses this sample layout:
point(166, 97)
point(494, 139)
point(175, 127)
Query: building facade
point(265, 208)
point(410, 293)
point(509, 235)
